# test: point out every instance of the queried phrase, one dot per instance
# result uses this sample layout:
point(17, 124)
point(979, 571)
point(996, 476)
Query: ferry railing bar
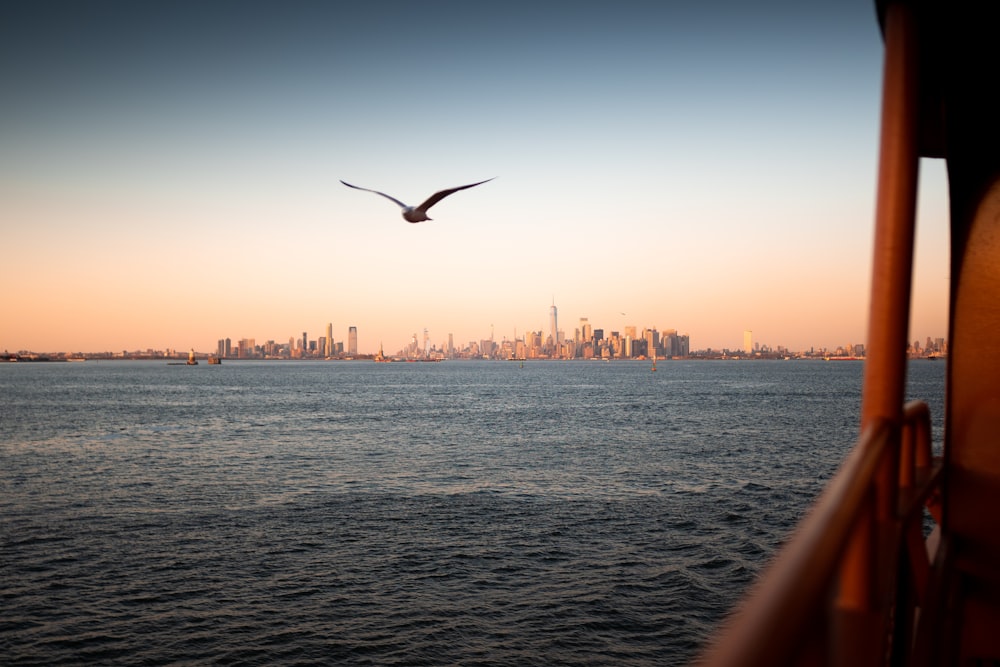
point(811, 607)
point(884, 385)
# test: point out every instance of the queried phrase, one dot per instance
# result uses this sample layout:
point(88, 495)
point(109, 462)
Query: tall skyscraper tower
point(553, 323)
point(748, 341)
point(328, 352)
point(352, 341)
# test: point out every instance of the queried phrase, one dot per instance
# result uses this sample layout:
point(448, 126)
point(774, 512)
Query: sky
point(169, 172)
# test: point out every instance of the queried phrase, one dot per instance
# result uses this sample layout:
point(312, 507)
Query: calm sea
point(563, 513)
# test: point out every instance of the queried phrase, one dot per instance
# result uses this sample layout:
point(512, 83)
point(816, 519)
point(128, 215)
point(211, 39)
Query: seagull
point(419, 213)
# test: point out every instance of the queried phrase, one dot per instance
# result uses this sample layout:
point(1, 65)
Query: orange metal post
point(856, 589)
point(885, 365)
point(921, 426)
point(889, 314)
point(908, 457)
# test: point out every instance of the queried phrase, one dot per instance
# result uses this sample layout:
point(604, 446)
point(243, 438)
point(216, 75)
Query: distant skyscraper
point(683, 345)
point(352, 341)
point(328, 352)
point(748, 341)
point(553, 324)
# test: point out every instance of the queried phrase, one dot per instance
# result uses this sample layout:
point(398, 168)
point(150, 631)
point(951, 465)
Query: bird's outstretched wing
point(393, 199)
point(438, 196)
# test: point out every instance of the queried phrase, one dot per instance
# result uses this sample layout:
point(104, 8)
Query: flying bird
point(419, 213)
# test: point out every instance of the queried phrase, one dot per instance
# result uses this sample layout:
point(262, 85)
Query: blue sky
point(169, 172)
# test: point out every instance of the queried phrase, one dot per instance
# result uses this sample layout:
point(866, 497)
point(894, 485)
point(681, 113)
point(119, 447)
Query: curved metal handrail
point(793, 614)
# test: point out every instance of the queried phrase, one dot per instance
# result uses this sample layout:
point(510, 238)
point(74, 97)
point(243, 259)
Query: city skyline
point(330, 346)
point(708, 166)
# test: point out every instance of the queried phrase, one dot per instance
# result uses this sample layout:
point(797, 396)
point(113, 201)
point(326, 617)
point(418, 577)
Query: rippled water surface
point(358, 513)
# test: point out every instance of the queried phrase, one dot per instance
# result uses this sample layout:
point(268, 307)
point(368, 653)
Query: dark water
point(359, 513)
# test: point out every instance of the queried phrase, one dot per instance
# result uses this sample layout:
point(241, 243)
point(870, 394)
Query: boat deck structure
point(898, 561)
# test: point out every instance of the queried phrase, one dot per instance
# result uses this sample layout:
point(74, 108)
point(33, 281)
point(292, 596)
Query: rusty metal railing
point(846, 588)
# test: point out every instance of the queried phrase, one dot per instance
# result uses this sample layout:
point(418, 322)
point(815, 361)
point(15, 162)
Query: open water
point(474, 513)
